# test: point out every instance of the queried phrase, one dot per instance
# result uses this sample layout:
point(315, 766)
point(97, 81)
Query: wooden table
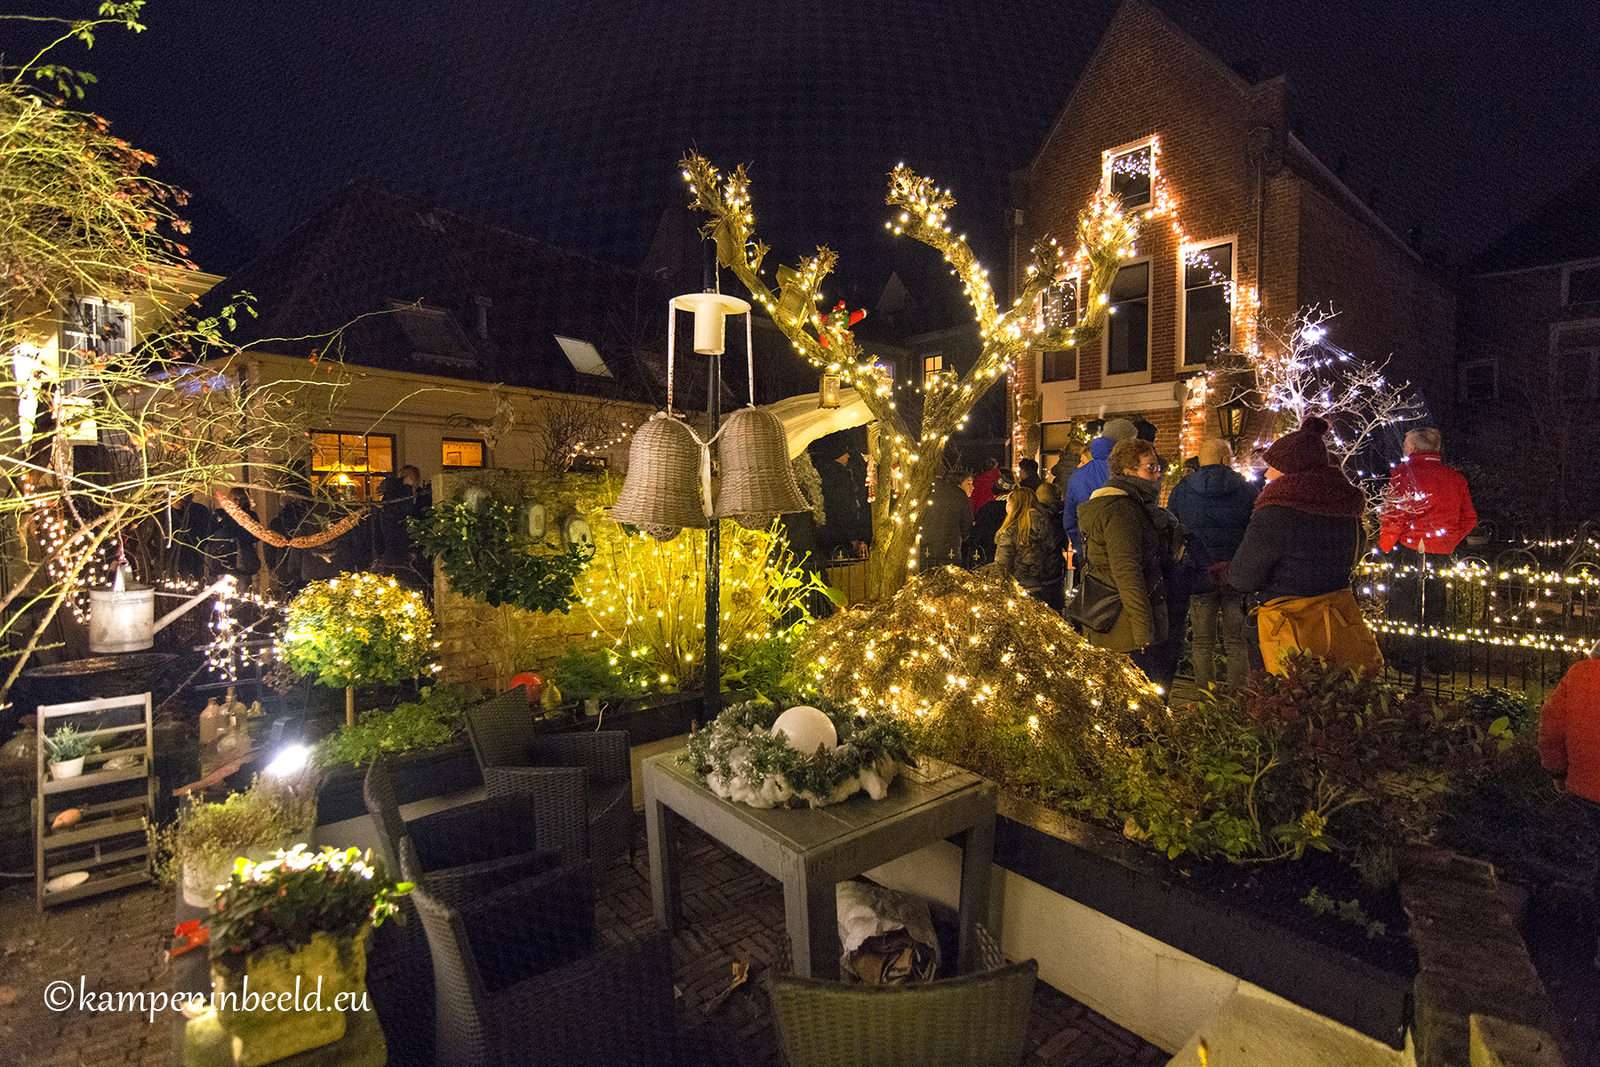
point(810, 850)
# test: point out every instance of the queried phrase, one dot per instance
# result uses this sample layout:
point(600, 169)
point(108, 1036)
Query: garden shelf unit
point(108, 841)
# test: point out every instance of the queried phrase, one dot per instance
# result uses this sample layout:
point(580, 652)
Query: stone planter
point(199, 881)
point(417, 776)
point(282, 1003)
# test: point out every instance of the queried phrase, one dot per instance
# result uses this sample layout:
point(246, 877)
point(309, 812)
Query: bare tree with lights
point(912, 456)
point(1300, 373)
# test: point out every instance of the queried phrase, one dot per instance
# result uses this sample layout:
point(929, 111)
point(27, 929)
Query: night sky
point(566, 120)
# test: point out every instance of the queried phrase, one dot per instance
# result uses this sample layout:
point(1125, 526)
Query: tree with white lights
point(910, 457)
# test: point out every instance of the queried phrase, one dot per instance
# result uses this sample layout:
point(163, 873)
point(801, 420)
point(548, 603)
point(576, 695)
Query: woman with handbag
point(1127, 537)
point(1298, 555)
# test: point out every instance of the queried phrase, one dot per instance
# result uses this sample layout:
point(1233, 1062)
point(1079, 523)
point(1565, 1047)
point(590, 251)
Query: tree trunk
point(894, 530)
point(350, 705)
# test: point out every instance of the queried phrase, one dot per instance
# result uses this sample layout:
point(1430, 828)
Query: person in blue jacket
point(1214, 504)
point(1091, 476)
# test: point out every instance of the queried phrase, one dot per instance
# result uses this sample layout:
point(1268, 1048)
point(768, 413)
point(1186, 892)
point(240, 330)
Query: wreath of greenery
point(485, 556)
point(741, 759)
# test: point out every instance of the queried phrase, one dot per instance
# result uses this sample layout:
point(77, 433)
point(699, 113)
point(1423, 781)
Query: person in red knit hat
point(1569, 743)
point(1304, 535)
point(1427, 510)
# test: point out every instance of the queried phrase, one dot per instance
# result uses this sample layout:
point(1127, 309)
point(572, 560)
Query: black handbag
point(1095, 604)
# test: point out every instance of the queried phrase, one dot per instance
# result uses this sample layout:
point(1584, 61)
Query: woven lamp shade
point(662, 491)
point(757, 482)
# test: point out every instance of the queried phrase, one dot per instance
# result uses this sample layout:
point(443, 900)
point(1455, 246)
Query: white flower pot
point(200, 883)
point(67, 768)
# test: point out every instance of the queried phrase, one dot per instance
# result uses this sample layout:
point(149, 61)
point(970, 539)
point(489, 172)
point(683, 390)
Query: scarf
point(1149, 495)
point(1321, 491)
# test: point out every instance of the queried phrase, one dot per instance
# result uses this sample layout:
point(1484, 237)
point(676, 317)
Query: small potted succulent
point(292, 930)
point(67, 748)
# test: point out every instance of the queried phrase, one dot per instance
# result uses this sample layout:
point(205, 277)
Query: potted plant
point(201, 846)
point(68, 747)
point(355, 629)
point(292, 930)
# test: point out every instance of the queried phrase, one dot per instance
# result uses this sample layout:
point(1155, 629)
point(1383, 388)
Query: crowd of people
point(1246, 566)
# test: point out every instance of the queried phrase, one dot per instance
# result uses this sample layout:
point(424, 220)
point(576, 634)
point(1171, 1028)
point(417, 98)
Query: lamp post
point(1230, 417)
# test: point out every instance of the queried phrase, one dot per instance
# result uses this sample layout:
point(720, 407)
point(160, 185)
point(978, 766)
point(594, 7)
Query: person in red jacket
point(1427, 510)
point(1569, 740)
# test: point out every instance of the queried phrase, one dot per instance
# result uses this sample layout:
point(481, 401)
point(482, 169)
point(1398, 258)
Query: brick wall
point(482, 645)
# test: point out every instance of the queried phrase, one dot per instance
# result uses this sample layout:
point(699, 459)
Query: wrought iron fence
point(1515, 612)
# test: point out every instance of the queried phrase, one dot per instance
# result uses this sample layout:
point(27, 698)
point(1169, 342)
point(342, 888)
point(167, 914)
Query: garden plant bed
point(417, 776)
point(1247, 920)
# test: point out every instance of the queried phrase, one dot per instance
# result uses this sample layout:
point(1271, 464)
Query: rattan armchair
point(517, 979)
point(973, 1020)
point(502, 734)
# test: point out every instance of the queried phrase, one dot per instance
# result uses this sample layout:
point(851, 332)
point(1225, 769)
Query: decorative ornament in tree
point(913, 449)
point(358, 629)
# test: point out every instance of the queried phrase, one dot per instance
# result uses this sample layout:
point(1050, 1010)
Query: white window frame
point(1068, 384)
point(72, 356)
point(932, 363)
point(1110, 155)
point(1232, 241)
point(1113, 381)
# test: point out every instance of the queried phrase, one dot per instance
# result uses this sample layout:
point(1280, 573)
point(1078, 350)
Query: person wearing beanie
point(1090, 477)
point(1569, 742)
point(1304, 535)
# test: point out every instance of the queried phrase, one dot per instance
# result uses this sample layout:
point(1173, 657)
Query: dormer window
point(92, 330)
point(584, 357)
point(434, 335)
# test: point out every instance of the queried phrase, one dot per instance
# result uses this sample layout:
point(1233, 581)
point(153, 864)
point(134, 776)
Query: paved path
point(731, 911)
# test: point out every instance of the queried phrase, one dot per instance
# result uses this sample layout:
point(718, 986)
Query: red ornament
point(534, 683)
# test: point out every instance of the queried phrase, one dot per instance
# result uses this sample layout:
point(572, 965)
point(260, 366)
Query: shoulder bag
point(1330, 626)
point(1094, 603)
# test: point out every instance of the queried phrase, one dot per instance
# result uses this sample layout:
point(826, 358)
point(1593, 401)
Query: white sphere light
point(805, 728)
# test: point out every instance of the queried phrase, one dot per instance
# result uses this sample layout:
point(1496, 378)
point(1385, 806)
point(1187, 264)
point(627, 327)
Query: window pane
point(1130, 177)
point(1132, 282)
point(380, 453)
point(1060, 366)
point(1208, 323)
point(1058, 305)
point(463, 453)
point(1207, 266)
point(1478, 381)
point(1583, 286)
point(1577, 373)
point(324, 451)
point(1130, 338)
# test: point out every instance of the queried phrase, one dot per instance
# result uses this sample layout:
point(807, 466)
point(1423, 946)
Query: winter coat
point(1303, 539)
point(1036, 565)
point(1569, 730)
point(1082, 485)
point(1125, 547)
point(983, 488)
point(985, 524)
point(946, 522)
point(1427, 506)
point(1214, 505)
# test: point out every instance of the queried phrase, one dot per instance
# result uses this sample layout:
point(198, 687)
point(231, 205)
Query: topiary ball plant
point(358, 629)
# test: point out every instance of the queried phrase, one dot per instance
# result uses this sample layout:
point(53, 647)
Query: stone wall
point(485, 646)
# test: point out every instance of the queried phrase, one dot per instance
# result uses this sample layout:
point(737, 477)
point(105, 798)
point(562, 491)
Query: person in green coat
point(1127, 537)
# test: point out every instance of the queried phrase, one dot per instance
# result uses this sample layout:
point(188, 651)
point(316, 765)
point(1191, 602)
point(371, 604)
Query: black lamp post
point(1230, 417)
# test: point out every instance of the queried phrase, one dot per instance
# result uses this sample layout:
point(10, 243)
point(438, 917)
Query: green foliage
point(282, 902)
point(270, 814)
point(357, 628)
point(486, 557)
point(68, 744)
point(434, 720)
point(1490, 706)
point(1349, 911)
point(587, 672)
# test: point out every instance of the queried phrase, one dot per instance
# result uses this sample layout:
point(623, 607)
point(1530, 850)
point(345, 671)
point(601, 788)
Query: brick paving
point(732, 912)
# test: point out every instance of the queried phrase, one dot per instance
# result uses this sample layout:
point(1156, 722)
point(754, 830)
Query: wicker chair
point(973, 1020)
point(501, 730)
point(517, 980)
point(518, 825)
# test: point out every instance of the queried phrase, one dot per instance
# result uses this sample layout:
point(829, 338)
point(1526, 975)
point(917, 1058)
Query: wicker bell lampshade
point(757, 482)
point(661, 494)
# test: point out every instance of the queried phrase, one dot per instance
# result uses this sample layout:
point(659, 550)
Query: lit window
point(1207, 302)
point(1128, 325)
point(1129, 174)
point(351, 464)
point(463, 453)
point(931, 365)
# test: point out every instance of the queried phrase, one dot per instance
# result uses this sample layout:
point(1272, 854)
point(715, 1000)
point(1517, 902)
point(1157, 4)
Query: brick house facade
point(1245, 226)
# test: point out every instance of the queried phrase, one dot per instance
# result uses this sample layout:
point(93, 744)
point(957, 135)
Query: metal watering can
point(123, 618)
